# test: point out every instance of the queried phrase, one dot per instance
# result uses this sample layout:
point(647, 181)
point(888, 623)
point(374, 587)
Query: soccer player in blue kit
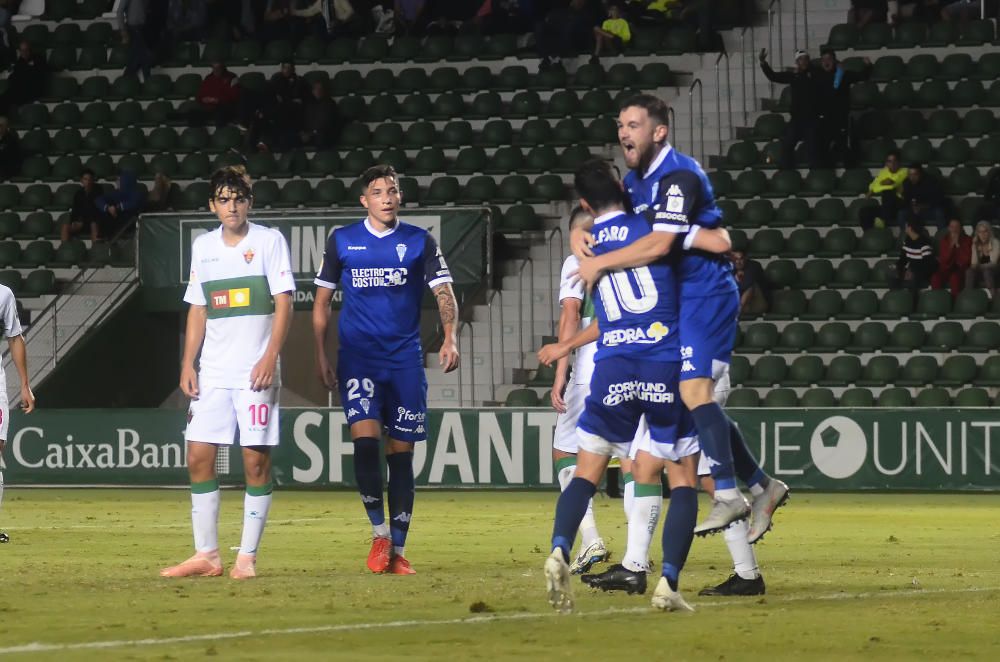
point(636, 373)
point(674, 191)
point(382, 266)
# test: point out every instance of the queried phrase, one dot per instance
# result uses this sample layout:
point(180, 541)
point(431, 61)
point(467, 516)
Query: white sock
point(756, 490)
point(205, 520)
point(629, 493)
point(254, 518)
point(398, 551)
point(744, 559)
point(380, 530)
point(565, 477)
point(644, 516)
point(588, 525)
point(730, 494)
point(1, 488)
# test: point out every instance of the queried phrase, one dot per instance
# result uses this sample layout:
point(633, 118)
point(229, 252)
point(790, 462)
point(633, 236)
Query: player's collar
point(658, 161)
point(607, 217)
point(385, 233)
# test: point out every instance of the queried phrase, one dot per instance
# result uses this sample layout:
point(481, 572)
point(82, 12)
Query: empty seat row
point(861, 397)
point(36, 283)
point(911, 34)
point(925, 66)
point(899, 123)
point(900, 94)
point(868, 337)
point(825, 213)
point(881, 370)
point(866, 304)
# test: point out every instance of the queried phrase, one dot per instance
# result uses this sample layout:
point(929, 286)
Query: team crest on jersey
point(365, 404)
point(675, 199)
point(400, 251)
point(190, 414)
point(248, 255)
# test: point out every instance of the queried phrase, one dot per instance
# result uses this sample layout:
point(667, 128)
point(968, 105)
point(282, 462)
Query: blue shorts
point(624, 388)
point(395, 396)
point(707, 334)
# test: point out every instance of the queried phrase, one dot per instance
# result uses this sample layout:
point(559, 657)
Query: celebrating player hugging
point(382, 266)
point(241, 307)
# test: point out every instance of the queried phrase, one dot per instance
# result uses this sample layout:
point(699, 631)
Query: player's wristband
point(689, 239)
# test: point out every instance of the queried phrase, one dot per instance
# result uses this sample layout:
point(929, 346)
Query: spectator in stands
point(5, 14)
point(985, 259)
point(218, 98)
point(905, 10)
point(159, 196)
point(754, 289)
point(612, 35)
point(10, 151)
point(320, 118)
point(410, 19)
point(959, 10)
point(132, 16)
point(504, 16)
point(990, 209)
point(954, 257)
point(27, 79)
point(834, 106)
point(863, 12)
point(186, 20)
point(888, 187)
point(804, 124)
point(229, 14)
point(923, 199)
point(564, 31)
point(307, 19)
point(276, 21)
point(289, 91)
point(916, 260)
point(121, 206)
point(84, 217)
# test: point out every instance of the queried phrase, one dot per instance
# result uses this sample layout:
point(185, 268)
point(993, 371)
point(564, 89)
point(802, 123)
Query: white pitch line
point(272, 522)
point(38, 647)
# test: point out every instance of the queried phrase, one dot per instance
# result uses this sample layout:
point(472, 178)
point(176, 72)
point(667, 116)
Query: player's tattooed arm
point(448, 309)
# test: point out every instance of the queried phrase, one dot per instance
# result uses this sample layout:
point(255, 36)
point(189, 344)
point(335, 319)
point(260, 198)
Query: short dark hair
point(379, 171)
point(655, 107)
point(916, 166)
point(234, 177)
point(88, 171)
point(596, 183)
point(915, 223)
point(892, 152)
point(828, 51)
point(577, 216)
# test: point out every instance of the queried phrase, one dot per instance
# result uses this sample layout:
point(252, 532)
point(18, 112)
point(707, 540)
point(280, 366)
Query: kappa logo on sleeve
point(237, 298)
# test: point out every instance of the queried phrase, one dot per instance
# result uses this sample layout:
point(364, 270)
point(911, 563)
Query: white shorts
point(565, 438)
point(4, 416)
point(218, 413)
point(683, 447)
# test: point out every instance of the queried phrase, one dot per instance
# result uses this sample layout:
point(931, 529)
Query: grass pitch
point(848, 576)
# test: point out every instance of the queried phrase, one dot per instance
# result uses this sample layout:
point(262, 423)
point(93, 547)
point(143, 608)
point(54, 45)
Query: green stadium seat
point(742, 155)
point(781, 273)
point(357, 161)
point(588, 77)
point(897, 94)
point(833, 336)
point(420, 134)
point(967, 93)
point(767, 243)
point(781, 398)
point(467, 47)
point(843, 36)
point(554, 78)
point(887, 68)
point(918, 371)
point(989, 372)
point(802, 242)
point(964, 179)
point(743, 398)
point(817, 398)
point(507, 159)
point(37, 253)
point(879, 371)
point(976, 33)
point(329, 192)
point(875, 243)
point(520, 218)
point(922, 67)
point(760, 336)
point(346, 81)
point(479, 189)
point(981, 337)
point(859, 304)
point(767, 371)
point(945, 337)
point(957, 66)
point(70, 253)
point(13, 280)
point(548, 187)
point(65, 168)
point(739, 370)
point(842, 371)
point(986, 152)
point(679, 40)
point(541, 158)
point(856, 397)
point(909, 35)
point(933, 397)
point(442, 190)
point(395, 157)
point(429, 160)
point(34, 168)
point(755, 213)
point(816, 274)
point(988, 67)
point(34, 196)
point(722, 183)
point(791, 212)
point(824, 305)
point(992, 95)
point(195, 166)
point(829, 211)
point(957, 370)
point(785, 183)
point(10, 253)
point(786, 304)
point(522, 397)
point(906, 337)
point(972, 397)
point(435, 47)
point(295, 193)
point(35, 141)
point(895, 398)
point(795, 338)
point(952, 151)
point(819, 182)
point(932, 304)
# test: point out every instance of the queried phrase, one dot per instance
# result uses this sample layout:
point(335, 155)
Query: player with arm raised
point(635, 374)
point(240, 296)
point(673, 188)
point(382, 265)
point(19, 356)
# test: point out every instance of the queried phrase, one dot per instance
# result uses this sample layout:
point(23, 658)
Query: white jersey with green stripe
point(237, 284)
point(583, 367)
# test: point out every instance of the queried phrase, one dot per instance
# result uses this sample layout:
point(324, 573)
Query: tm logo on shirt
point(238, 298)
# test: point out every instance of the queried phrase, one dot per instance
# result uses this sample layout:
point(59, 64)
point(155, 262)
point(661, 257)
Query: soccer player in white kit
point(19, 355)
point(240, 293)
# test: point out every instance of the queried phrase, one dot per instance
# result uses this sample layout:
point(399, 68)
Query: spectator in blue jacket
point(123, 205)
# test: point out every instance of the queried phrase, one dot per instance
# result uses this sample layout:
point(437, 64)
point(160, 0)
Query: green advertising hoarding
point(164, 247)
point(823, 449)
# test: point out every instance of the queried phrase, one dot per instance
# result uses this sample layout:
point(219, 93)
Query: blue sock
point(368, 474)
point(678, 531)
point(401, 484)
point(713, 436)
point(743, 460)
point(570, 509)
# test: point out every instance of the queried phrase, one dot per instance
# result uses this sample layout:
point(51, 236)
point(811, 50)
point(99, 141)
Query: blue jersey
point(676, 194)
point(636, 309)
point(383, 276)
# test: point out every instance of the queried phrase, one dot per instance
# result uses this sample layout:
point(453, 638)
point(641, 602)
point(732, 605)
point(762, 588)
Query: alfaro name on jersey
point(636, 308)
point(383, 276)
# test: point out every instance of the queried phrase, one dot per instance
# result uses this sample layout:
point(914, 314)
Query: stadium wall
point(821, 449)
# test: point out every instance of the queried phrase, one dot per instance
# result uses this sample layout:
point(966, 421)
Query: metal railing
point(718, 97)
point(698, 118)
point(554, 272)
point(521, 290)
point(494, 378)
point(469, 362)
point(749, 59)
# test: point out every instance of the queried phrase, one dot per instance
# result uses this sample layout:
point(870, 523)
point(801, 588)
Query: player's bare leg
point(3, 535)
point(399, 457)
point(678, 532)
point(256, 505)
point(205, 497)
point(570, 508)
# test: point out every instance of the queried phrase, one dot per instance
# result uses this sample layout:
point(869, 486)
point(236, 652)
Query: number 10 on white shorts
point(218, 412)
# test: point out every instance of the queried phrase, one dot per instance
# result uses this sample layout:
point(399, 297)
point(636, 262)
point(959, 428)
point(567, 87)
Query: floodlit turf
point(895, 576)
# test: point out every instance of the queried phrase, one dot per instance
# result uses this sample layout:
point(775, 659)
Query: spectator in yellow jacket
point(613, 34)
point(888, 187)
